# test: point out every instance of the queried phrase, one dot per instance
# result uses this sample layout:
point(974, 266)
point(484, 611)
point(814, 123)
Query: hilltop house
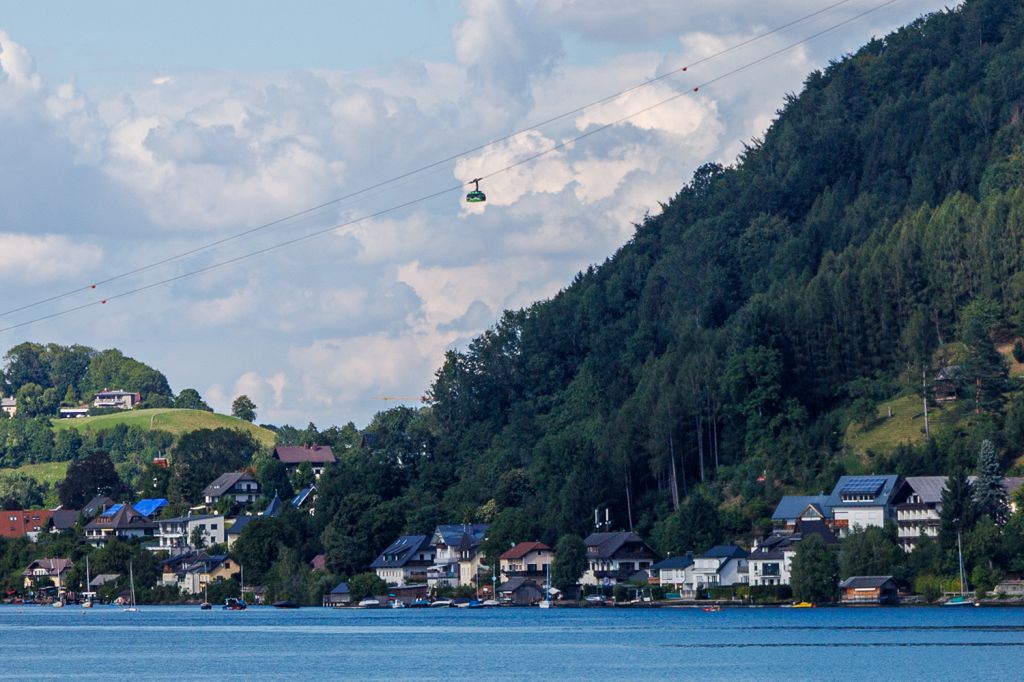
point(526, 560)
point(614, 557)
point(455, 554)
point(47, 570)
point(720, 566)
point(241, 486)
point(19, 523)
point(117, 399)
point(174, 535)
point(292, 456)
point(862, 501)
point(120, 521)
point(405, 560)
point(9, 406)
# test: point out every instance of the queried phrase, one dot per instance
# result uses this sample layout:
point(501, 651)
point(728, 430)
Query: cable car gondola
point(476, 196)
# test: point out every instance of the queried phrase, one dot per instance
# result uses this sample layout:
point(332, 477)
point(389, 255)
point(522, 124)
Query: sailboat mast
point(960, 552)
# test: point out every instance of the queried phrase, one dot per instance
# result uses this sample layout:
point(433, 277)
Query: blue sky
point(134, 131)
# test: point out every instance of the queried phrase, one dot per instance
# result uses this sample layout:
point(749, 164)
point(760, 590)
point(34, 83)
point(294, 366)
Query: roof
point(64, 519)
point(928, 488)
point(605, 545)
point(792, 506)
point(52, 566)
point(273, 509)
point(104, 578)
point(303, 495)
point(859, 582)
point(318, 563)
point(681, 561)
point(401, 551)
point(9, 402)
point(460, 534)
point(194, 517)
point(297, 454)
point(725, 552)
point(524, 548)
point(240, 523)
point(121, 518)
point(340, 588)
point(15, 523)
point(150, 506)
point(225, 482)
point(97, 505)
point(878, 488)
point(513, 584)
point(807, 528)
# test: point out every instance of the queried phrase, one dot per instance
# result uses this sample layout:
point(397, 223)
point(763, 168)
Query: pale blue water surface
point(184, 643)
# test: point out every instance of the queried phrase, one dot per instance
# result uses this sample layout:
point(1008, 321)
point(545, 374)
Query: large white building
point(862, 502)
point(174, 535)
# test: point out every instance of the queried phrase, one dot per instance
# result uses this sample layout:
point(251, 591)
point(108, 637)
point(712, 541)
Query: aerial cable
point(433, 195)
point(421, 169)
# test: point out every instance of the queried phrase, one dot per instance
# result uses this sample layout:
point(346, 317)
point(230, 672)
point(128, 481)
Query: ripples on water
point(521, 644)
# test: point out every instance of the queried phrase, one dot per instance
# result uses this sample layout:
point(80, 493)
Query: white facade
point(672, 576)
point(121, 400)
point(175, 534)
point(709, 572)
point(848, 518)
point(9, 406)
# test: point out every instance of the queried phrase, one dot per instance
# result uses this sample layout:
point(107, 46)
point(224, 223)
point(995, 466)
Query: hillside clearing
point(906, 425)
point(171, 420)
point(44, 472)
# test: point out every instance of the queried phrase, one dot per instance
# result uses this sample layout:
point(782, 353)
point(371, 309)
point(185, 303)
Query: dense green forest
point(871, 244)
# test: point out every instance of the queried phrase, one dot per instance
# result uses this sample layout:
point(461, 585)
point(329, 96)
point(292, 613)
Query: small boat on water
point(369, 603)
point(488, 603)
point(441, 603)
point(233, 604)
point(89, 596)
point(420, 604)
point(131, 608)
point(59, 604)
point(803, 605)
point(714, 608)
point(285, 604)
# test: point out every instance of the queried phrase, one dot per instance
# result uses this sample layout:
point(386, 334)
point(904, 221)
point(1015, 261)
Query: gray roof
point(881, 488)
point(792, 506)
point(194, 517)
point(226, 482)
point(462, 535)
point(725, 552)
point(401, 551)
point(340, 588)
point(681, 561)
point(865, 581)
point(104, 578)
point(928, 488)
point(606, 545)
point(240, 523)
point(513, 584)
point(96, 505)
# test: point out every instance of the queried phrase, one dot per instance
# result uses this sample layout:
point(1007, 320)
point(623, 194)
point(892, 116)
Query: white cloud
point(44, 258)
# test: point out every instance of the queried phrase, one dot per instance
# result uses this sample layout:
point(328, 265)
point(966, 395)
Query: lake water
point(185, 643)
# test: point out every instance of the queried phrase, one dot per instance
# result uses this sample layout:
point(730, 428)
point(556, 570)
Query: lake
point(176, 642)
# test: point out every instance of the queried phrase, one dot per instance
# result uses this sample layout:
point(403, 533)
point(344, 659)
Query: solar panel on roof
point(862, 486)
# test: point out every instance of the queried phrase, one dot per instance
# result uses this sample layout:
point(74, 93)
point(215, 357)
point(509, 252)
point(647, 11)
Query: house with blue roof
point(720, 566)
point(794, 508)
point(405, 561)
point(862, 501)
point(671, 572)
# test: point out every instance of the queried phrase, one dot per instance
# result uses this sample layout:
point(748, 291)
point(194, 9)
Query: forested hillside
point(874, 236)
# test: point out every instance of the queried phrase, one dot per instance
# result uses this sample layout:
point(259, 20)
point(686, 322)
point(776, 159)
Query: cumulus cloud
point(44, 258)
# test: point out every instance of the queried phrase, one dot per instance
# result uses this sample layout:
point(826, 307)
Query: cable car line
point(433, 195)
point(421, 169)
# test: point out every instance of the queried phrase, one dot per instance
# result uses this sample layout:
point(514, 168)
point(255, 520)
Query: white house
point(121, 400)
point(720, 566)
point(9, 406)
point(405, 561)
point(770, 562)
point(528, 560)
point(454, 543)
point(671, 572)
point(239, 485)
point(862, 501)
point(615, 557)
point(174, 535)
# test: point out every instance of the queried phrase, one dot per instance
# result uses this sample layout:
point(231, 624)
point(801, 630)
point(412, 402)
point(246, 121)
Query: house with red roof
point(16, 523)
point(526, 560)
point(292, 456)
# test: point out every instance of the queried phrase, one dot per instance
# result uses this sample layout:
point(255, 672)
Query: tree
point(815, 572)
point(244, 408)
point(871, 551)
point(198, 538)
point(259, 545)
point(189, 399)
point(570, 562)
point(983, 369)
point(274, 479)
point(92, 475)
point(367, 584)
point(20, 491)
point(201, 456)
point(990, 497)
point(695, 526)
point(958, 513)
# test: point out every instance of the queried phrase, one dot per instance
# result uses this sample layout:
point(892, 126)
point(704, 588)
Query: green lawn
point(906, 425)
point(44, 472)
point(171, 420)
